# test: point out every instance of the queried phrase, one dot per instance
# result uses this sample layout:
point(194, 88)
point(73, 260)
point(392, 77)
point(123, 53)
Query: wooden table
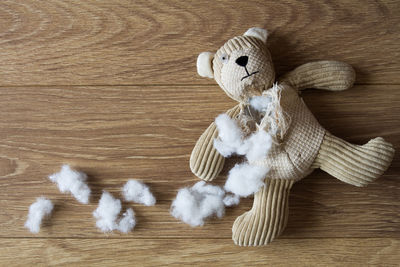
point(111, 88)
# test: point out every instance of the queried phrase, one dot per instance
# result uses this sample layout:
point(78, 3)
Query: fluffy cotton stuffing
point(258, 145)
point(245, 180)
point(107, 212)
point(127, 222)
point(193, 205)
point(230, 136)
point(72, 181)
point(37, 211)
point(230, 140)
point(107, 215)
point(231, 200)
point(138, 192)
point(260, 103)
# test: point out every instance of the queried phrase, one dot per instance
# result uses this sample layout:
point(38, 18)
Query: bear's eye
point(224, 58)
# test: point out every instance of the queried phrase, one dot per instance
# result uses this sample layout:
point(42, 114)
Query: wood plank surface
point(204, 252)
point(157, 42)
point(112, 133)
point(111, 88)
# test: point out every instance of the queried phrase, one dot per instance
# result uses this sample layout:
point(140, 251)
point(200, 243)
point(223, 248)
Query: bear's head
point(242, 66)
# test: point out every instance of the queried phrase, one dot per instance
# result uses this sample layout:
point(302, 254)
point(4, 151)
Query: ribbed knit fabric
point(205, 161)
point(268, 217)
point(329, 75)
point(354, 164)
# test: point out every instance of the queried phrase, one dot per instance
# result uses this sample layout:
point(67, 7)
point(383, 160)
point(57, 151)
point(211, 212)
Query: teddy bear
point(243, 68)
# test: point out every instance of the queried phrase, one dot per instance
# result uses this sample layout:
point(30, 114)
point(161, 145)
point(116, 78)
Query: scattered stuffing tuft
point(107, 215)
point(193, 205)
point(37, 211)
point(245, 180)
point(127, 222)
point(231, 200)
point(138, 192)
point(107, 212)
point(69, 180)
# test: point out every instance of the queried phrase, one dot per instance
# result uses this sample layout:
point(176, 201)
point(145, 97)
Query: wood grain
point(111, 88)
point(148, 132)
point(152, 42)
point(156, 252)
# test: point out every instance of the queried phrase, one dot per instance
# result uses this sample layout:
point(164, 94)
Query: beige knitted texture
point(205, 161)
point(268, 217)
point(292, 158)
point(328, 75)
point(354, 164)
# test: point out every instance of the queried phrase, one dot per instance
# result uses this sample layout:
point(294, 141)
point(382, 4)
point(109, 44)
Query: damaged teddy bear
point(297, 143)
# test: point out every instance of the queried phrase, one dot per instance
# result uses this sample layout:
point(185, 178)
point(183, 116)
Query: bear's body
point(293, 156)
point(243, 68)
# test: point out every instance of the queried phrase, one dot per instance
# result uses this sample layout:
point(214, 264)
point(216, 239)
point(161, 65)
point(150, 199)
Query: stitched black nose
point(242, 61)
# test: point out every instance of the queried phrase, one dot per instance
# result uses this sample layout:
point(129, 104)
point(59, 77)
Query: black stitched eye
point(224, 58)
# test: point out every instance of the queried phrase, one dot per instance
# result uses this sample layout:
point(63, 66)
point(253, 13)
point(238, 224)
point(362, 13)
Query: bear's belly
point(292, 159)
point(281, 166)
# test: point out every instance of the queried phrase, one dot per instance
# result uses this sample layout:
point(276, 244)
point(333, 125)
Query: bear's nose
point(242, 61)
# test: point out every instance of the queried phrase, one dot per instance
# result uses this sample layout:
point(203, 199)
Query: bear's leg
point(354, 164)
point(267, 218)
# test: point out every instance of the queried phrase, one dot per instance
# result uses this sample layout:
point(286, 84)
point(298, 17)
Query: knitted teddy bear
point(243, 69)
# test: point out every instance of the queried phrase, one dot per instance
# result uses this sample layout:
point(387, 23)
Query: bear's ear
point(259, 33)
point(204, 65)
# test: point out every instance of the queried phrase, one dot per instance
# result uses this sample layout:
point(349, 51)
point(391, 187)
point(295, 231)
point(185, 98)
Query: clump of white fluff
point(37, 211)
point(138, 192)
point(127, 222)
point(245, 179)
point(193, 205)
point(72, 181)
point(231, 200)
point(107, 215)
point(257, 145)
point(260, 103)
point(230, 136)
point(230, 140)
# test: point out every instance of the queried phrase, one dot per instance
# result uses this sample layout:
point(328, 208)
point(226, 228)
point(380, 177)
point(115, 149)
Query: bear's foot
point(267, 218)
point(354, 164)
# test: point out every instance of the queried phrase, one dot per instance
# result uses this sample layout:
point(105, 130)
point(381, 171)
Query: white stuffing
point(193, 205)
point(261, 103)
point(230, 140)
point(107, 215)
point(231, 200)
point(230, 136)
point(107, 212)
point(257, 145)
point(37, 211)
point(138, 192)
point(127, 222)
point(69, 180)
point(245, 179)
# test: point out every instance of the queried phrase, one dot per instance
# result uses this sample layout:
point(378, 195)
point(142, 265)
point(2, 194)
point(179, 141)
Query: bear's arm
point(327, 75)
point(205, 161)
